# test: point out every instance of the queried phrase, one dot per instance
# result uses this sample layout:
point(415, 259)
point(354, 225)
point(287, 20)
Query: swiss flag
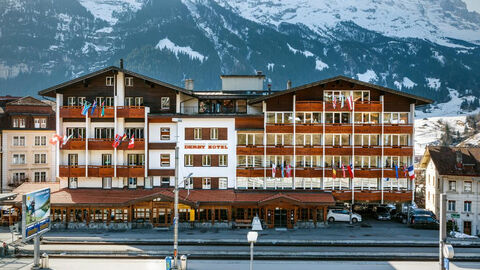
point(131, 143)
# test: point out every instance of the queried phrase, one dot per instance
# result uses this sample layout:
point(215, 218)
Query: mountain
point(425, 47)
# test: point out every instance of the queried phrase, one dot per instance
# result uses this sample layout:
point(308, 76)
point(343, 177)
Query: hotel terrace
point(250, 151)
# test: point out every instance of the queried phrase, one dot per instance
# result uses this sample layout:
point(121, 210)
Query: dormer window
point(109, 81)
point(40, 122)
point(129, 81)
point(18, 122)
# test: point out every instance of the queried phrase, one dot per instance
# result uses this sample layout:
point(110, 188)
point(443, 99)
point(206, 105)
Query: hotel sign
point(206, 146)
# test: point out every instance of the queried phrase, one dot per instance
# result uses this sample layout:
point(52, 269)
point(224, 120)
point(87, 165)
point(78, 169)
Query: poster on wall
point(35, 213)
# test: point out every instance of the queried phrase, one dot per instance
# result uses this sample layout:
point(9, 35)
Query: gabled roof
point(52, 90)
point(445, 160)
point(419, 100)
point(27, 101)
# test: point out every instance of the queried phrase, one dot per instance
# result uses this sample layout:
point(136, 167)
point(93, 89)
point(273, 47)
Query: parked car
point(342, 215)
point(421, 211)
point(424, 222)
point(382, 213)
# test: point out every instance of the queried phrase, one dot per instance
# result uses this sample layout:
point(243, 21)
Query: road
point(151, 264)
point(312, 252)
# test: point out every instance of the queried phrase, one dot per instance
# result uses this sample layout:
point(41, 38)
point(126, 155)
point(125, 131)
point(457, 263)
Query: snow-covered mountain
point(426, 47)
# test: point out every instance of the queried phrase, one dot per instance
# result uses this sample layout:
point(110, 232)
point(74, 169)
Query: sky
point(473, 5)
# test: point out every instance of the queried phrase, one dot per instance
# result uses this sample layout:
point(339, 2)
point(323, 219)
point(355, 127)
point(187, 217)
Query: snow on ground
point(429, 130)
point(433, 83)
point(169, 45)
point(270, 66)
point(368, 76)
point(319, 64)
point(107, 10)
point(406, 82)
point(450, 108)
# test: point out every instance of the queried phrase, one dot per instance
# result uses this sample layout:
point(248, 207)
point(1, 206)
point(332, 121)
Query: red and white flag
point(56, 138)
point(289, 170)
point(66, 139)
point(350, 103)
point(343, 170)
point(274, 169)
point(117, 140)
point(334, 101)
point(131, 143)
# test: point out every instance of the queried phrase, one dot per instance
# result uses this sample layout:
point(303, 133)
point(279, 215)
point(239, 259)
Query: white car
point(342, 215)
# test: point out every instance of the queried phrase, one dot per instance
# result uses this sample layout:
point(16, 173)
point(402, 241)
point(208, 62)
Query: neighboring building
point(456, 172)
point(231, 141)
point(27, 125)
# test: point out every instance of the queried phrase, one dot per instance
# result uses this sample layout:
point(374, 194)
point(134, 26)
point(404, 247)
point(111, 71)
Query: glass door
point(72, 159)
point(106, 159)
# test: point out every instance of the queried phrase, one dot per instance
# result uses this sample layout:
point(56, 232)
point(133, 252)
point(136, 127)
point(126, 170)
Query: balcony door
point(72, 159)
point(106, 159)
point(136, 159)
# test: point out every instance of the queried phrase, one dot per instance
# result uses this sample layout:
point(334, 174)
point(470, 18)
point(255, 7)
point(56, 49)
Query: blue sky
point(473, 5)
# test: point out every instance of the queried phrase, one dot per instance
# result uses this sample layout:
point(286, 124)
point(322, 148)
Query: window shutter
point(197, 183)
point(197, 160)
point(214, 183)
point(205, 134)
point(188, 133)
point(215, 161)
point(222, 134)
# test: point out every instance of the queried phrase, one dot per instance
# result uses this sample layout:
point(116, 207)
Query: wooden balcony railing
point(72, 170)
point(373, 195)
point(310, 172)
point(130, 170)
point(100, 144)
point(76, 112)
point(74, 144)
point(131, 111)
point(100, 171)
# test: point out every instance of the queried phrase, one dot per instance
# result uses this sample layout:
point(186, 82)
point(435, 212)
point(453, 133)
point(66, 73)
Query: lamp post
point(252, 238)
point(175, 207)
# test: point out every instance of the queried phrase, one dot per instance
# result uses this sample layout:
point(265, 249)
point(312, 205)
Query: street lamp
point(175, 207)
point(252, 238)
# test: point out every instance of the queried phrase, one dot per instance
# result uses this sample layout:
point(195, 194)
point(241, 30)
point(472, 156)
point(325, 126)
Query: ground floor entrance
point(280, 220)
point(467, 227)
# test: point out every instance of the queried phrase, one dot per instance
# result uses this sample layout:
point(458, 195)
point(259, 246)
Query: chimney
point(121, 63)
point(259, 72)
point(189, 84)
point(289, 84)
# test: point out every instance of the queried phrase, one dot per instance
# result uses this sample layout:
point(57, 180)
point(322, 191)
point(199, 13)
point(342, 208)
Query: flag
point(282, 171)
point(103, 109)
point(86, 106)
point(131, 143)
point(94, 106)
point(334, 172)
point(124, 137)
point(289, 170)
point(334, 101)
point(396, 171)
point(405, 171)
point(343, 170)
point(387, 179)
point(350, 170)
point(117, 141)
point(350, 103)
point(55, 138)
point(274, 169)
point(66, 139)
point(342, 101)
point(411, 172)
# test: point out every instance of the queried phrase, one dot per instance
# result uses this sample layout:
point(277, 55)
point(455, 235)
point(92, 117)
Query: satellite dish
point(256, 224)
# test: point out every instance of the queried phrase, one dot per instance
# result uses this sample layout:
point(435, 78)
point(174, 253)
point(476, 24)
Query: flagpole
point(353, 154)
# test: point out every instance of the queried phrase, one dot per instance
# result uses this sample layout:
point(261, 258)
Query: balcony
point(373, 195)
point(107, 144)
point(74, 144)
point(100, 171)
point(130, 171)
point(131, 111)
point(250, 149)
point(72, 170)
point(76, 112)
point(196, 110)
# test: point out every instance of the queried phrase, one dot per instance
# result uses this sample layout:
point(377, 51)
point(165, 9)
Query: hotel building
point(249, 151)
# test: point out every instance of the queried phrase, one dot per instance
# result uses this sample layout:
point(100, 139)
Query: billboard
point(35, 213)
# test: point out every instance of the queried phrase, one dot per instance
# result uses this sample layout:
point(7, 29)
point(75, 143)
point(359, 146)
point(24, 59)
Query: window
point(106, 182)
point(206, 160)
point(222, 183)
point(19, 159)
point(197, 133)
point(73, 159)
point(106, 159)
point(223, 160)
point(189, 183)
point(132, 182)
point(128, 81)
point(452, 185)
point(188, 160)
point(136, 159)
point(109, 101)
point(77, 133)
point(40, 122)
point(18, 122)
point(164, 134)
point(396, 118)
point(138, 101)
point(361, 95)
point(165, 103)
point(467, 206)
point(40, 140)
point(279, 117)
point(165, 160)
point(451, 205)
point(40, 176)
point(109, 81)
point(250, 161)
point(165, 182)
point(308, 117)
point(71, 101)
point(366, 118)
point(18, 140)
point(206, 183)
point(137, 132)
point(104, 133)
point(128, 101)
point(337, 118)
point(40, 158)
point(18, 176)
point(250, 138)
point(72, 182)
point(214, 134)
point(467, 186)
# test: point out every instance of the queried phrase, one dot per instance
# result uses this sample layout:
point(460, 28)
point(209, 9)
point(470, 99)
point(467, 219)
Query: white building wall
point(243, 83)
point(154, 132)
